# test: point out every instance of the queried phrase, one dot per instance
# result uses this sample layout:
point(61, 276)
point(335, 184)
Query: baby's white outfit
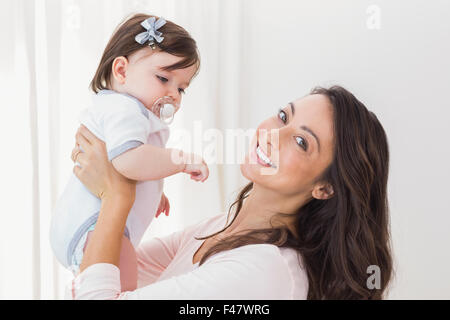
point(123, 123)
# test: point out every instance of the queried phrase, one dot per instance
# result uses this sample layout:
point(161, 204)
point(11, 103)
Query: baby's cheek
point(148, 89)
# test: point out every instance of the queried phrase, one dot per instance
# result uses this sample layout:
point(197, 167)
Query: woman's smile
point(260, 157)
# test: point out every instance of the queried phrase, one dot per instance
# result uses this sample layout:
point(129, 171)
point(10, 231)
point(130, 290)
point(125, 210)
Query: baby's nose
point(175, 95)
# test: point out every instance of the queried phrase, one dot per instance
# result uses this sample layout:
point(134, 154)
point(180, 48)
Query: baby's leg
point(127, 264)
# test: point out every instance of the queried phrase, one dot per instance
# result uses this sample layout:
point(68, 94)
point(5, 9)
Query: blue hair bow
point(151, 35)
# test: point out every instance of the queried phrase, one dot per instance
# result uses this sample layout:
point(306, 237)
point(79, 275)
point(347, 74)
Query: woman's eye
point(162, 79)
point(181, 91)
point(282, 115)
point(301, 142)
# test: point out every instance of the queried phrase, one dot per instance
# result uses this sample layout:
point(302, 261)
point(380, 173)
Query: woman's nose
point(269, 139)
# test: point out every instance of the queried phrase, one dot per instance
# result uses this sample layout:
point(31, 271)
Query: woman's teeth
point(263, 157)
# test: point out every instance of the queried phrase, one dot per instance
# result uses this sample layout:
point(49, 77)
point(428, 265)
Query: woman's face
point(292, 148)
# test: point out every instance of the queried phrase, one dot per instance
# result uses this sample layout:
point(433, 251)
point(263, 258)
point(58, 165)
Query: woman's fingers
point(82, 141)
point(95, 171)
point(75, 151)
point(74, 154)
point(81, 158)
point(76, 171)
point(85, 138)
point(88, 135)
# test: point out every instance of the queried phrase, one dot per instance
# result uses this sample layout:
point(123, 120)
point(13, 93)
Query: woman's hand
point(96, 172)
point(117, 193)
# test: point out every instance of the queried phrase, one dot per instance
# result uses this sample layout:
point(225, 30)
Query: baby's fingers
point(205, 172)
point(158, 212)
point(167, 207)
point(199, 177)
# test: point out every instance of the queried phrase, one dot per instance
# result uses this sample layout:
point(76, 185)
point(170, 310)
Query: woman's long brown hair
point(338, 238)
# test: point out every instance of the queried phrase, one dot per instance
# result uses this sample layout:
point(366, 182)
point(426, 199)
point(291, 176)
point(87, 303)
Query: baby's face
point(147, 81)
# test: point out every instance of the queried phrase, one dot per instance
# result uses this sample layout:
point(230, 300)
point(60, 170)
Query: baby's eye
point(162, 79)
point(301, 142)
point(282, 115)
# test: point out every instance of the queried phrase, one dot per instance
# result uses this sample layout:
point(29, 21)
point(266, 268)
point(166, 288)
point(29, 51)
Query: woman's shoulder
point(281, 268)
point(295, 265)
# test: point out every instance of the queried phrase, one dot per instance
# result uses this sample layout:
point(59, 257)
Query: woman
point(310, 229)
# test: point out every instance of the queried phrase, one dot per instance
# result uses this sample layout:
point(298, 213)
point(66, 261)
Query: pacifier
point(165, 108)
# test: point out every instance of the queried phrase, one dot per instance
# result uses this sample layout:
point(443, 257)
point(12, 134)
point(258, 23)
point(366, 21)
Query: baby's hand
point(164, 206)
point(196, 167)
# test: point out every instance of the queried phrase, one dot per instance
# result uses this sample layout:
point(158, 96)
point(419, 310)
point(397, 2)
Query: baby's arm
point(148, 162)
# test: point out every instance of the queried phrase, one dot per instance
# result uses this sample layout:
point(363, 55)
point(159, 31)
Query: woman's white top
point(166, 271)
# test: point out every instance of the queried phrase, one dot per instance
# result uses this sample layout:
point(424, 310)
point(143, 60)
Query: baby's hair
point(177, 42)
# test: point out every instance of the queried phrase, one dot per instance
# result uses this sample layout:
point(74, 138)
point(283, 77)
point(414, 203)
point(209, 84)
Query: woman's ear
point(323, 191)
point(119, 69)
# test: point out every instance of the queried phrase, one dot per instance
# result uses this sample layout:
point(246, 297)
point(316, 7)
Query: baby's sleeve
point(124, 127)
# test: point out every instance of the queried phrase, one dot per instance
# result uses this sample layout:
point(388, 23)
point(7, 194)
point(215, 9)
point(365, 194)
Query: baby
point(146, 67)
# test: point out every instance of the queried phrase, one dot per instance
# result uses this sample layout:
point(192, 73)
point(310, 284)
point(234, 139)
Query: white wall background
point(402, 73)
point(256, 56)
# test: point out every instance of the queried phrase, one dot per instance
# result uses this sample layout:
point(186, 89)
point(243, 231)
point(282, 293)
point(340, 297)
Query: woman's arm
point(116, 192)
point(106, 240)
point(244, 273)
